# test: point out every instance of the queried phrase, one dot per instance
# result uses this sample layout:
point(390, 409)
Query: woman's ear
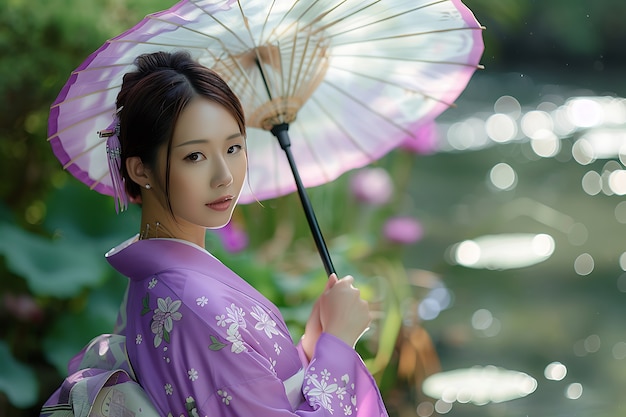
point(137, 171)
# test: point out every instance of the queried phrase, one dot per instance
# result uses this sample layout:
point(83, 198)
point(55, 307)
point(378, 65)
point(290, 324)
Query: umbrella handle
point(281, 131)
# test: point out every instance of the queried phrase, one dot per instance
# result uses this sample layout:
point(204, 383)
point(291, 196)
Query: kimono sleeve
point(220, 373)
point(338, 381)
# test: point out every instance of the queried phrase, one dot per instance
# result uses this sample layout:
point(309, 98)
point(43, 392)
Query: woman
point(200, 340)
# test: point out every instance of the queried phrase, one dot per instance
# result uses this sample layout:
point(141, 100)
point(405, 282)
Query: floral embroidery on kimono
point(264, 322)
point(163, 319)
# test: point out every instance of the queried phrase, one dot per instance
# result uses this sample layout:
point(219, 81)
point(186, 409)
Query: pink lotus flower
point(404, 230)
point(233, 238)
point(372, 186)
point(23, 307)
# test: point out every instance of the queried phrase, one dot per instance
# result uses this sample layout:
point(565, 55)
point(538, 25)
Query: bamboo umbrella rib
point(73, 125)
point(406, 35)
point(310, 145)
point(355, 142)
point(352, 138)
point(341, 126)
point(99, 180)
point(392, 58)
point(277, 80)
point(302, 71)
point(366, 107)
point(265, 22)
point(283, 81)
point(83, 153)
point(182, 27)
point(219, 22)
point(340, 19)
point(394, 84)
point(290, 79)
point(202, 48)
point(242, 71)
point(279, 23)
point(381, 20)
point(101, 67)
point(320, 15)
point(255, 46)
point(312, 69)
point(78, 97)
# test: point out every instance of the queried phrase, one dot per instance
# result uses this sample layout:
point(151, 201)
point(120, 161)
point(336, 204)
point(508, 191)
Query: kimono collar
point(138, 259)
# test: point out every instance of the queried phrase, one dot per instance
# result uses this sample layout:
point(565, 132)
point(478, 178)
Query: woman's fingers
point(343, 312)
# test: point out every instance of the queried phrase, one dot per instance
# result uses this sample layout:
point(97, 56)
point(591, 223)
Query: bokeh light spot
point(545, 143)
point(619, 350)
point(555, 371)
point(562, 124)
point(584, 264)
point(468, 134)
point(585, 112)
point(574, 391)
point(592, 343)
point(35, 213)
point(479, 385)
point(501, 128)
point(504, 251)
point(425, 409)
point(592, 183)
point(482, 319)
point(428, 309)
point(467, 253)
point(617, 182)
point(508, 105)
point(502, 176)
point(443, 407)
point(620, 212)
point(536, 121)
point(622, 261)
point(583, 153)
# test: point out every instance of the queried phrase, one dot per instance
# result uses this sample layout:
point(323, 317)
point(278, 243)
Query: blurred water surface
point(537, 155)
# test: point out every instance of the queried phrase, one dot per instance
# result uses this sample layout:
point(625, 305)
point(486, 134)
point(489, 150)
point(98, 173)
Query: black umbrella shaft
point(281, 131)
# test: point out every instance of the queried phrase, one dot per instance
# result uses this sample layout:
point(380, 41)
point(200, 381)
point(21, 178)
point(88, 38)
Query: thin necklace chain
point(155, 232)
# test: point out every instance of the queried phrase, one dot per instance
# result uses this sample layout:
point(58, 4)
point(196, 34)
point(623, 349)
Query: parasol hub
point(275, 79)
point(274, 112)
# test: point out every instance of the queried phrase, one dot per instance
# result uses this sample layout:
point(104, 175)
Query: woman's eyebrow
point(196, 141)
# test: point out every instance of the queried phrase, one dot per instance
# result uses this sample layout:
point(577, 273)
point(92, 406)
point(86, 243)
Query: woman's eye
point(194, 157)
point(235, 148)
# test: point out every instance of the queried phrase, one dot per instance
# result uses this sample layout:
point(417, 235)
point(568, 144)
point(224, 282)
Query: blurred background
point(495, 267)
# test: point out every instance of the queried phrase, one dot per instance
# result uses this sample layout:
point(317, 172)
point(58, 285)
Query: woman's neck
point(155, 229)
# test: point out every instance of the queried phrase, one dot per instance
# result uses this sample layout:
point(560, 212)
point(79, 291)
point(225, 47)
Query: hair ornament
point(114, 158)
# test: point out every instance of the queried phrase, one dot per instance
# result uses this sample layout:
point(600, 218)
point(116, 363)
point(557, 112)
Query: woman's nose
point(222, 177)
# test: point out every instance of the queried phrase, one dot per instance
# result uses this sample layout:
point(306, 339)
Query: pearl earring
point(148, 186)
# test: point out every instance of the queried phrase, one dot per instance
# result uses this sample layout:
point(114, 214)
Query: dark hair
point(153, 97)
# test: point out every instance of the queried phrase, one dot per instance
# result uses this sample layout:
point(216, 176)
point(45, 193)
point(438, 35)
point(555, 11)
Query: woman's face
point(208, 165)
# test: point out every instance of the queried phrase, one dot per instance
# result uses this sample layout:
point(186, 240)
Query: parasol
point(350, 80)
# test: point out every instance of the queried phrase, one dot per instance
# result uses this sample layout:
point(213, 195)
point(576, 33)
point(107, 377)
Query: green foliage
point(17, 380)
point(44, 263)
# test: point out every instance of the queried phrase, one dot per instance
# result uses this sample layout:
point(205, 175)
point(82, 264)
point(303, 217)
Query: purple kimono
point(203, 342)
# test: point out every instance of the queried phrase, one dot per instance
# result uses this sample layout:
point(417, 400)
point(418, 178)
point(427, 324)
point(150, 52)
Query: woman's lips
point(221, 204)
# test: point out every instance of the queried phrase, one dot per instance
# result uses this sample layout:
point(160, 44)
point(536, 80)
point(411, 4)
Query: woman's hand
point(342, 311)
point(313, 328)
